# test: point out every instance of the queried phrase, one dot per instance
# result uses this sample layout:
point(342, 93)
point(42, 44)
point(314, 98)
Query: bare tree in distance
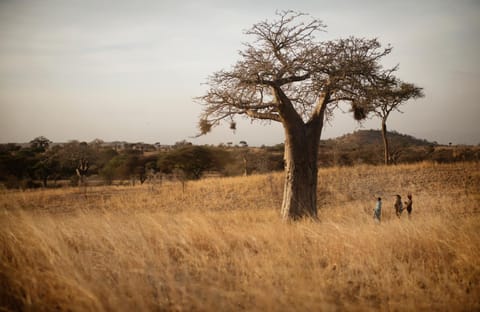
point(285, 75)
point(40, 143)
point(391, 96)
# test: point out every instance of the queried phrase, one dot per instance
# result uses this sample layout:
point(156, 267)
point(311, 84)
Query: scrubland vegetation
point(220, 245)
point(42, 163)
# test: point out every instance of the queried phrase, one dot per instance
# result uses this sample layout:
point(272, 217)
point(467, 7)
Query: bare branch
point(265, 116)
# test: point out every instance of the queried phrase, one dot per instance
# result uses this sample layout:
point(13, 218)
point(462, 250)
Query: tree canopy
point(193, 161)
point(393, 95)
point(285, 74)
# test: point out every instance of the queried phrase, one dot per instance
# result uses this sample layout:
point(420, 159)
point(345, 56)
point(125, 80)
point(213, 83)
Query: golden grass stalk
point(221, 245)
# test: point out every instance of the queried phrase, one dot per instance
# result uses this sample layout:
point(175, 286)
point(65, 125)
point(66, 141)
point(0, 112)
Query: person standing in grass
point(408, 204)
point(398, 206)
point(377, 212)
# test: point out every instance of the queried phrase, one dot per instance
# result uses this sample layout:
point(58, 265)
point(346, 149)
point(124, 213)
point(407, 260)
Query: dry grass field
point(221, 245)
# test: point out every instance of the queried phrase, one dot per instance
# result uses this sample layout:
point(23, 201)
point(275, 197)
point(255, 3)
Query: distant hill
point(365, 138)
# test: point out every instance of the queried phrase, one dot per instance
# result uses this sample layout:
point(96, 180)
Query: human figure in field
point(398, 206)
point(377, 212)
point(408, 204)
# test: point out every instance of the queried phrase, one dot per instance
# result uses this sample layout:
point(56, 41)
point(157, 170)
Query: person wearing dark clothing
point(408, 204)
point(398, 206)
point(377, 212)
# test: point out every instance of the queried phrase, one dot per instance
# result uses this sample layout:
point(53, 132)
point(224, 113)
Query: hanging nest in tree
point(233, 125)
point(359, 111)
point(205, 126)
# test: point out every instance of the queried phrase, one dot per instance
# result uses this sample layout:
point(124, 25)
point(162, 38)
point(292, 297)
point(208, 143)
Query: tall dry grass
point(221, 245)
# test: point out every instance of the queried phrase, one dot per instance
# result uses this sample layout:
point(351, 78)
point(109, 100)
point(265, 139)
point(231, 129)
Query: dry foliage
point(221, 245)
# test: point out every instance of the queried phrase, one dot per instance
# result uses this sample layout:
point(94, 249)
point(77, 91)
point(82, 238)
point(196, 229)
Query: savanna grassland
point(221, 245)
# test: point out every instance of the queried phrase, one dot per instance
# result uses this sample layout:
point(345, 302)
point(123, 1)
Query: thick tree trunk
point(301, 153)
point(301, 168)
point(386, 148)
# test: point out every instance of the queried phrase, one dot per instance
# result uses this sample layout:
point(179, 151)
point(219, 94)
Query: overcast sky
point(129, 70)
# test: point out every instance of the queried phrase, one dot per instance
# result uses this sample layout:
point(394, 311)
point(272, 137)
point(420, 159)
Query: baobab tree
point(390, 97)
point(284, 75)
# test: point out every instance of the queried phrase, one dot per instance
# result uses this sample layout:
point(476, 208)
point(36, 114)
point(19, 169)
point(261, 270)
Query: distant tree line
point(365, 147)
point(44, 164)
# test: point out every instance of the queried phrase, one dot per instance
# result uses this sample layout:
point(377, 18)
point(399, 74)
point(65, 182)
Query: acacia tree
point(285, 75)
point(40, 144)
point(392, 95)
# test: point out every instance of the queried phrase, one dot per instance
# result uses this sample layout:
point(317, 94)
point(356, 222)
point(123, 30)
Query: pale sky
point(129, 70)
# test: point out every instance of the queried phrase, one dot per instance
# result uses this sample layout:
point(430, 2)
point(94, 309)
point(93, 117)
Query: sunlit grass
point(221, 245)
